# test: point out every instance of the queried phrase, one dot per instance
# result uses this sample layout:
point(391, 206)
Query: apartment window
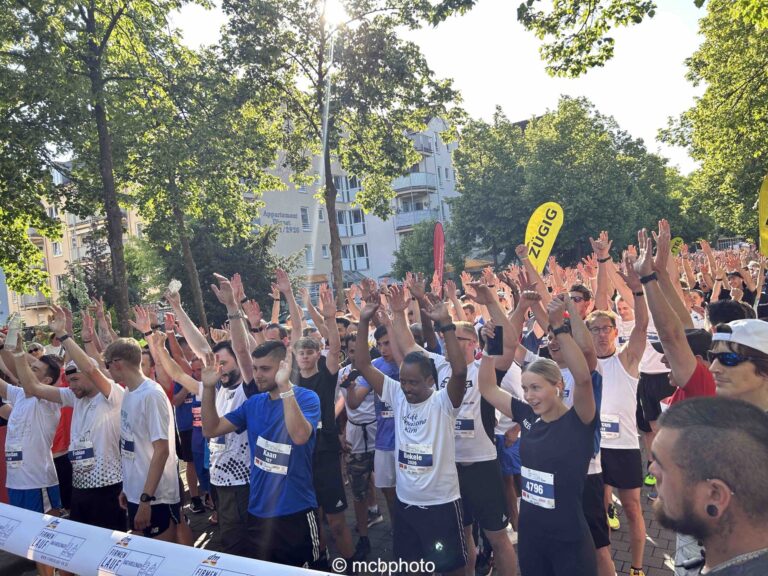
point(60, 282)
point(446, 173)
point(74, 242)
point(303, 189)
point(361, 256)
point(309, 258)
point(325, 251)
point(320, 214)
point(57, 249)
point(53, 212)
point(305, 225)
point(439, 176)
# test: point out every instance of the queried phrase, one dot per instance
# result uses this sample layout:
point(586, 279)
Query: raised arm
point(581, 335)
point(299, 428)
point(284, 285)
point(225, 294)
point(28, 380)
point(197, 342)
point(486, 381)
point(400, 328)
point(533, 274)
point(583, 396)
point(670, 285)
point(176, 352)
point(156, 342)
point(328, 310)
point(602, 249)
point(635, 348)
point(314, 314)
point(416, 286)
point(678, 353)
point(362, 354)
point(275, 294)
point(213, 425)
point(511, 335)
point(105, 323)
point(438, 312)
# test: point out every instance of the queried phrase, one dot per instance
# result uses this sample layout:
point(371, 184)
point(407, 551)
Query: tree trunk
point(111, 207)
point(333, 224)
point(189, 262)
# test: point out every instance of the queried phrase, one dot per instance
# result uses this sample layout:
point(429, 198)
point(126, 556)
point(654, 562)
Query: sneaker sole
point(376, 521)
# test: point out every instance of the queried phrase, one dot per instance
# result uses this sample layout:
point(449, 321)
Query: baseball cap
point(72, 368)
point(699, 340)
point(749, 332)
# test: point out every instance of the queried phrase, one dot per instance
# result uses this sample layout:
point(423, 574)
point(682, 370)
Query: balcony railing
point(415, 181)
point(409, 219)
point(34, 300)
point(422, 143)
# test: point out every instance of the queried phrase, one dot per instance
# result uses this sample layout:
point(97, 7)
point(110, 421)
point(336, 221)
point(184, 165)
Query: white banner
point(87, 550)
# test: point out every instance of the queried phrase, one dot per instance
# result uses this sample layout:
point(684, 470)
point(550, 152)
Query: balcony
point(422, 143)
point(352, 264)
point(409, 219)
point(415, 181)
point(37, 300)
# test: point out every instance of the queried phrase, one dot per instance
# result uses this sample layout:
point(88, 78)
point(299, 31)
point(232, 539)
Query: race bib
point(82, 456)
point(197, 416)
point(415, 458)
point(464, 428)
point(14, 457)
point(271, 457)
point(538, 488)
point(217, 445)
point(609, 426)
point(386, 411)
point(189, 399)
point(127, 448)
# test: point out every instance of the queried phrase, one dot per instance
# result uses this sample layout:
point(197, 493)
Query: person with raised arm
point(280, 421)
point(556, 446)
point(428, 523)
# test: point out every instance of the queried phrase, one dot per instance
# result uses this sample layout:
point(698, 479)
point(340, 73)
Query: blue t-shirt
point(281, 472)
point(385, 421)
point(184, 410)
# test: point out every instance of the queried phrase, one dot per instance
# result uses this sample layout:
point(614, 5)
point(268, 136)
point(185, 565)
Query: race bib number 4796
point(538, 488)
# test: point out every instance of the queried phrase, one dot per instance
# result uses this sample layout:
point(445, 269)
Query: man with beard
point(710, 458)
point(281, 421)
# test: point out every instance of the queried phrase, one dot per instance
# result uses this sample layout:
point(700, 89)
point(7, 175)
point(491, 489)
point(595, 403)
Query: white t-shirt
point(230, 454)
point(651, 362)
point(94, 440)
point(361, 421)
point(145, 417)
point(472, 442)
point(618, 407)
point(31, 426)
point(699, 322)
point(424, 445)
point(512, 383)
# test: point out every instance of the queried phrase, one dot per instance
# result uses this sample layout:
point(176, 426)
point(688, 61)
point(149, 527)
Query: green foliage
point(727, 129)
point(146, 272)
point(416, 252)
point(252, 257)
point(74, 292)
point(602, 177)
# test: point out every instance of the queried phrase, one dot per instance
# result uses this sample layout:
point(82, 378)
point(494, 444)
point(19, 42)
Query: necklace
point(746, 557)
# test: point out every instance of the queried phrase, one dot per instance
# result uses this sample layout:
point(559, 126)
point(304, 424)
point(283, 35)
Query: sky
point(494, 61)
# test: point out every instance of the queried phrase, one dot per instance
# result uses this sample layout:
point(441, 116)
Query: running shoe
point(196, 506)
point(483, 564)
point(653, 494)
point(374, 518)
point(649, 480)
point(362, 549)
point(613, 518)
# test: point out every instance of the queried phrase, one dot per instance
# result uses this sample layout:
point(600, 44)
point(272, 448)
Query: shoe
point(613, 518)
point(208, 502)
point(649, 480)
point(483, 564)
point(362, 549)
point(196, 506)
point(374, 518)
point(653, 495)
point(636, 572)
point(321, 563)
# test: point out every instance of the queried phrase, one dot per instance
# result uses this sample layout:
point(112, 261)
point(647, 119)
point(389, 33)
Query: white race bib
point(127, 448)
point(609, 426)
point(415, 458)
point(272, 457)
point(464, 428)
point(81, 456)
point(538, 488)
point(14, 457)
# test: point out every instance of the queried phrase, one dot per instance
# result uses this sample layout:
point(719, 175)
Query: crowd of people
point(527, 408)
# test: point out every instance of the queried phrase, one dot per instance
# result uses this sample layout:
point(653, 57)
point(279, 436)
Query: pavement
point(658, 558)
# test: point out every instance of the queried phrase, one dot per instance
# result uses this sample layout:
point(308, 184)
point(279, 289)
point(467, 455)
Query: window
point(60, 282)
point(53, 212)
point(74, 242)
point(309, 258)
point(303, 189)
point(325, 251)
point(57, 249)
point(361, 256)
point(439, 176)
point(320, 214)
point(305, 225)
point(446, 173)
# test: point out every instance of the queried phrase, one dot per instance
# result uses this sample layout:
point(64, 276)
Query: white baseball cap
point(749, 332)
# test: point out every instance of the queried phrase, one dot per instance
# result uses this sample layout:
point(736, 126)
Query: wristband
point(276, 299)
point(87, 341)
point(289, 394)
point(645, 279)
point(236, 316)
point(639, 294)
point(244, 300)
point(148, 333)
point(446, 328)
point(603, 260)
point(564, 329)
point(63, 337)
point(257, 330)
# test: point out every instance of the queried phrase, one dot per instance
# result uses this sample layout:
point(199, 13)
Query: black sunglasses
point(108, 362)
point(729, 359)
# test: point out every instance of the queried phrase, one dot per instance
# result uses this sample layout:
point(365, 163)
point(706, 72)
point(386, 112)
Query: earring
point(557, 391)
point(712, 511)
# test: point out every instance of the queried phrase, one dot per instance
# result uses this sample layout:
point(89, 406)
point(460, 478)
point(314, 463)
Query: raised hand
point(86, 332)
point(57, 322)
point(157, 339)
point(211, 372)
point(488, 331)
point(99, 306)
point(275, 292)
point(556, 311)
point(644, 263)
point(170, 322)
point(69, 325)
point(663, 242)
point(396, 299)
point(483, 293)
point(253, 313)
point(435, 284)
point(142, 323)
point(372, 304)
point(283, 281)
point(283, 374)
point(327, 304)
point(306, 298)
point(631, 277)
point(237, 287)
point(450, 288)
point(466, 280)
point(601, 246)
point(416, 285)
point(488, 277)
point(522, 252)
point(173, 299)
point(590, 265)
point(437, 310)
point(219, 335)
point(224, 292)
point(383, 318)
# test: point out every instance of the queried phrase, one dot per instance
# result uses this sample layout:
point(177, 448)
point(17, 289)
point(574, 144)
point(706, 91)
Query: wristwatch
point(144, 498)
point(564, 329)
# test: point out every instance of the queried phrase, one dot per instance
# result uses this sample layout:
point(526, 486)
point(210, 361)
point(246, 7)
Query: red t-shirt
point(701, 383)
point(61, 437)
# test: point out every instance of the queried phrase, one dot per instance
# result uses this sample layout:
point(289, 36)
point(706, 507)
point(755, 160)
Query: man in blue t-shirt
point(281, 421)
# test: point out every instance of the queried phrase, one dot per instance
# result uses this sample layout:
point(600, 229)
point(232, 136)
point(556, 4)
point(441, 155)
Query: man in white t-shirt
point(428, 522)
point(150, 477)
point(94, 447)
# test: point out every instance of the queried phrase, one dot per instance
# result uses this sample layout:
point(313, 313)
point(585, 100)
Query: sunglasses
point(577, 299)
point(107, 363)
point(729, 359)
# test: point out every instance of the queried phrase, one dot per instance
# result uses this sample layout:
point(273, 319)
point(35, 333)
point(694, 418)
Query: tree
point(210, 137)
point(78, 60)
point(146, 273)
point(726, 130)
point(416, 252)
point(251, 256)
point(380, 89)
point(489, 178)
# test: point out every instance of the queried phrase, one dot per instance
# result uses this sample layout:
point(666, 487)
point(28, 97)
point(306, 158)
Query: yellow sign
point(764, 217)
point(675, 245)
point(541, 233)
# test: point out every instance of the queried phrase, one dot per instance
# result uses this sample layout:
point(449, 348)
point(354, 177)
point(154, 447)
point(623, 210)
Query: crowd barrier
point(88, 550)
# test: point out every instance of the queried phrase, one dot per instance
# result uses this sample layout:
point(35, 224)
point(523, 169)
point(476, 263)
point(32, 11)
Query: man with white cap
point(94, 448)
